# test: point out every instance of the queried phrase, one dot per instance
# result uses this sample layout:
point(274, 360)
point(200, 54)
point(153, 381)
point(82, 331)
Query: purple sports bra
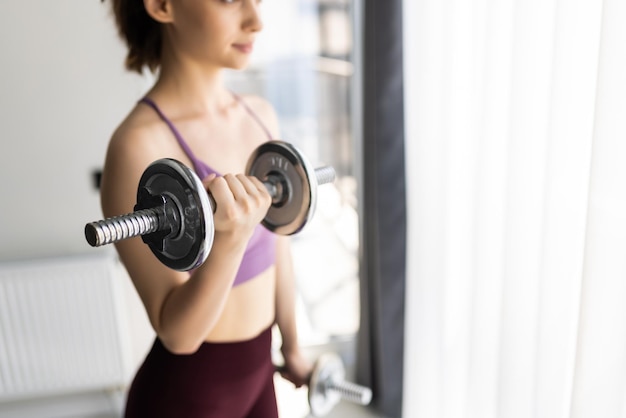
point(261, 250)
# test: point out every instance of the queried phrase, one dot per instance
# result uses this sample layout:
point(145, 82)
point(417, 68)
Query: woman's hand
point(297, 368)
point(242, 202)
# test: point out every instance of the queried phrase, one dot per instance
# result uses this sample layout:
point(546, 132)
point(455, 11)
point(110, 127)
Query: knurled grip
point(122, 227)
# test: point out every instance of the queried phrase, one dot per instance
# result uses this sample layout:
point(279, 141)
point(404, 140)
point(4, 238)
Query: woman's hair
point(140, 32)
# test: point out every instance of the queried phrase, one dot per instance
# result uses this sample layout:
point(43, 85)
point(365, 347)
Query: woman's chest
point(224, 148)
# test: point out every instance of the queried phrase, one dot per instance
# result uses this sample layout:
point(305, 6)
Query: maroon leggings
point(221, 380)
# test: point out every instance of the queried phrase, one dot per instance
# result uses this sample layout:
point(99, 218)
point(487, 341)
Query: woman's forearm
point(192, 309)
point(286, 295)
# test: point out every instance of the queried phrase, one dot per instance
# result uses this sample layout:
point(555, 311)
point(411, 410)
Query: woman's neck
point(199, 88)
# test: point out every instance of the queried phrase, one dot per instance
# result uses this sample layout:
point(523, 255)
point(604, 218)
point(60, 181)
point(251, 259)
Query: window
point(303, 66)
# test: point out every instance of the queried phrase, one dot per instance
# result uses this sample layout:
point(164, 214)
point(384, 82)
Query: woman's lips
point(245, 48)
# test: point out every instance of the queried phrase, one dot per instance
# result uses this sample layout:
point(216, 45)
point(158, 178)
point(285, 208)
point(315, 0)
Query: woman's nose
point(253, 19)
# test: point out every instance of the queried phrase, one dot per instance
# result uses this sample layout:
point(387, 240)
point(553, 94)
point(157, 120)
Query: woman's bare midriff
point(249, 310)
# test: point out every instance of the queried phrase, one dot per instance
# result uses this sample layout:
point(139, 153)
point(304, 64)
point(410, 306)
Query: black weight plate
point(179, 185)
point(279, 158)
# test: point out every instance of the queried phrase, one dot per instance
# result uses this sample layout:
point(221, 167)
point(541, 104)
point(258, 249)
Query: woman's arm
point(297, 367)
point(182, 309)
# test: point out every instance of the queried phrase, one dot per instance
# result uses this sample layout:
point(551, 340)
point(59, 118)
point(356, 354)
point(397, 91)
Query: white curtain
point(516, 178)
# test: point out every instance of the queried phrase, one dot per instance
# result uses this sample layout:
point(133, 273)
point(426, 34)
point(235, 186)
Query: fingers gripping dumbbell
point(327, 386)
point(174, 213)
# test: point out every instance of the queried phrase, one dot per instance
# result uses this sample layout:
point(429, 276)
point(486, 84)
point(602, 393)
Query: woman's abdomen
point(249, 310)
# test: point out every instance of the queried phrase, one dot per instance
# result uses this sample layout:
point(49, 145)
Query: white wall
point(63, 90)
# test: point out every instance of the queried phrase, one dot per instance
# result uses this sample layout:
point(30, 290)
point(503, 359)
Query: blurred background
point(469, 261)
point(72, 330)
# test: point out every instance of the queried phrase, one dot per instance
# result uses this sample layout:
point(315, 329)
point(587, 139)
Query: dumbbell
point(327, 386)
point(174, 212)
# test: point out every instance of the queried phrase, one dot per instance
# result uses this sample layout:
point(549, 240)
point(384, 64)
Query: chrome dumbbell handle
point(146, 221)
point(325, 174)
point(277, 188)
point(351, 391)
point(122, 227)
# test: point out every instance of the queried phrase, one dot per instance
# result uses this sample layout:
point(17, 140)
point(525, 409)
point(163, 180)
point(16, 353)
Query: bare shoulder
point(138, 141)
point(265, 111)
point(138, 136)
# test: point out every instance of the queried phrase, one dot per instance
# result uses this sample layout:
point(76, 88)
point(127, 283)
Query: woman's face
point(215, 32)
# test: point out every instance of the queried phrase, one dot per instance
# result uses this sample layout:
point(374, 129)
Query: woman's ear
point(159, 10)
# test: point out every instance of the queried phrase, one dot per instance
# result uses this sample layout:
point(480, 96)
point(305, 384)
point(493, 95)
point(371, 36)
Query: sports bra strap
point(179, 137)
point(254, 116)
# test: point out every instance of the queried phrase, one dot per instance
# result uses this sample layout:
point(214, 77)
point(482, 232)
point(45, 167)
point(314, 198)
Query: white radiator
point(62, 327)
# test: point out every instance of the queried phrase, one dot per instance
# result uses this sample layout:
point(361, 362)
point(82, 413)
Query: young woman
point(211, 356)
